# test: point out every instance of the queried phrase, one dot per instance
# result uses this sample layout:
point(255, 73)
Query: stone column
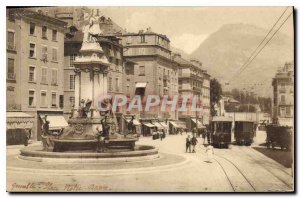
point(105, 82)
point(86, 84)
point(97, 86)
point(77, 88)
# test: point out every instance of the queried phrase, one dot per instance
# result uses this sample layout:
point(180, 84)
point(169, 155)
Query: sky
point(188, 27)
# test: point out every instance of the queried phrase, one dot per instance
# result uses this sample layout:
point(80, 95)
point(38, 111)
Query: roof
point(25, 12)
point(222, 119)
point(18, 115)
point(146, 33)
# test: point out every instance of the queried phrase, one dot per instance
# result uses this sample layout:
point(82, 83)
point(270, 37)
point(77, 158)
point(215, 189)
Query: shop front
point(148, 129)
point(18, 127)
point(176, 127)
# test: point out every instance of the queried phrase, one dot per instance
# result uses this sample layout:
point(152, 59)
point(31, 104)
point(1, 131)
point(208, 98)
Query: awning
point(19, 120)
point(149, 125)
point(135, 121)
point(140, 85)
point(159, 126)
point(163, 124)
point(179, 125)
point(199, 124)
point(56, 122)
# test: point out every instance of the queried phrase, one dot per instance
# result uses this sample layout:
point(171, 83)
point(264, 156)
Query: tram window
point(247, 127)
point(219, 127)
point(227, 127)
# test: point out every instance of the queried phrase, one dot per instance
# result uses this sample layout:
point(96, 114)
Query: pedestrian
point(194, 142)
point(161, 135)
point(204, 135)
point(188, 144)
point(194, 131)
point(210, 152)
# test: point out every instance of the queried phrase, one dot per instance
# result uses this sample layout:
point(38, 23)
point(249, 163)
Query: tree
point(215, 95)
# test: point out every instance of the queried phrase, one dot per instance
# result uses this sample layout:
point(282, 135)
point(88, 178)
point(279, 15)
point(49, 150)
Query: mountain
point(226, 50)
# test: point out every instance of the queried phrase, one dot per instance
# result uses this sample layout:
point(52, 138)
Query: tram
point(244, 132)
point(221, 128)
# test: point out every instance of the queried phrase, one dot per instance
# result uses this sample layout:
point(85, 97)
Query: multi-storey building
point(193, 82)
point(283, 95)
point(155, 72)
point(35, 48)
point(206, 98)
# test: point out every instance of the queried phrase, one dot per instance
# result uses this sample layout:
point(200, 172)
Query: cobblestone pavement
point(237, 169)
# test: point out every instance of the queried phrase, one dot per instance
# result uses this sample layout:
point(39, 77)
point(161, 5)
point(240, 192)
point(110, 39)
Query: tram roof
point(243, 120)
point(222, 119)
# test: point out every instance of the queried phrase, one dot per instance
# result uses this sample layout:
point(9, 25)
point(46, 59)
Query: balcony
point(166, 77)
point(197, 89)
point(282, 90)
point(11, 47)
point(11, 77)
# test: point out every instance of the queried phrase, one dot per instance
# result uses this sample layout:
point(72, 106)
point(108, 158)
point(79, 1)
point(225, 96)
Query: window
point(117, 84)
point(110, 84)
point(53, 99)
point(11, 40)
point(72, 100)
point(31, 98)
point(54, 35)
point(32, 73)
point(142, 70)
point(32, 29)
point(72, 58)
point(44, 75)
point(61, 101)
point(31, 50)
point(54, 54)
point(127, 90)
point(44, 53)
point(288, 111)
point(54, 77)
point(128, 40)
point(11, 69)
point(143, 39)
point(44, 32)
point(282, 99)
point(11, 16)
point(72, 81)
point(43, 98)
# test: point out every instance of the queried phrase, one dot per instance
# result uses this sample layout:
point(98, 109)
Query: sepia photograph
point(150, 99)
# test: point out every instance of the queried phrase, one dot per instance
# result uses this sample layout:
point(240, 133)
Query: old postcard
point(150, 99)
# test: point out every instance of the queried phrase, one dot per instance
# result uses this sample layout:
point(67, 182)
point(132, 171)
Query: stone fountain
point(91, 133)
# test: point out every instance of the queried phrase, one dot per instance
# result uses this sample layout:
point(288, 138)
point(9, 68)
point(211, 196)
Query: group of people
point(191, 143)
point(160, 134)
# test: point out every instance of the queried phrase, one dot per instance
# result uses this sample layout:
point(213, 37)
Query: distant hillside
point(226, 50)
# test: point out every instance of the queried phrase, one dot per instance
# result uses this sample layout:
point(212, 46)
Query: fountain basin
point(140, 153)
point(61, 145)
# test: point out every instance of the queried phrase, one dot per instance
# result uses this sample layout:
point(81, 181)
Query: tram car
point(221, 131)
point(279, 136)
point(244, 132)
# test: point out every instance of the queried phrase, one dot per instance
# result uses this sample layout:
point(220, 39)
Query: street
point(238, 169)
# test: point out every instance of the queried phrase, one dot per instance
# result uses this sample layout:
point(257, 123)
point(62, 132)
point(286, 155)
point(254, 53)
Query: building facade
point(35, 48)
point(283, 95)
point(206, 98)
point(193, 81)
point(154, 71)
